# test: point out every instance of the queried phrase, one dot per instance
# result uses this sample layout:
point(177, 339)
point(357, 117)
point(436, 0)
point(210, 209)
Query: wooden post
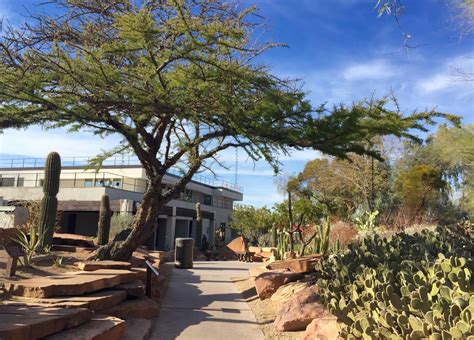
point(14, 251)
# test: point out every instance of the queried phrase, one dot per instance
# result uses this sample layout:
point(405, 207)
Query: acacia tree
point(178, 81)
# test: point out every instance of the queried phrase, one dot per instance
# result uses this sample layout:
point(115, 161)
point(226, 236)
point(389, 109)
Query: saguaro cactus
point(105, 215)
point(49, 203)
point(274, 236)
point(198, 225)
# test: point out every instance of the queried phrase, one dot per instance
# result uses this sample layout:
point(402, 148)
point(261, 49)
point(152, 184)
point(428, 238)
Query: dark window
point(20, 182)
point(7, 182)
point(207, 200)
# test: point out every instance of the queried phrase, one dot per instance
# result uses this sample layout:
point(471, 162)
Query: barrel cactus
point(274, 236)
point(49, 203)
point(105, 215)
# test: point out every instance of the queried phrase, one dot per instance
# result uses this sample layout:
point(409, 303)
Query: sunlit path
point(203, 303)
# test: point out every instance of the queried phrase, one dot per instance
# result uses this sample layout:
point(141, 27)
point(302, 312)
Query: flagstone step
point(26, 322)
point(100, 327)
point(71, 249)
point(96, 265)
point(72, 240)
point(142, 307)
point(75, 283)
point(96, 301)
point(132, 289)
point(137, 329)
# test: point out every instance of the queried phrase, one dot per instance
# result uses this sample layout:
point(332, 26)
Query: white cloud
point(374, 69)
point(37, 142)
point(450, 76)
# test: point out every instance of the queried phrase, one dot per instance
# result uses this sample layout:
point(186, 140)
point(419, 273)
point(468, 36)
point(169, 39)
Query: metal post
point(75, 175)
point(148, 281)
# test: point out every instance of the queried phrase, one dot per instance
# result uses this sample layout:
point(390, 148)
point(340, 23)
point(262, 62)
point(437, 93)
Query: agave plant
point(31, 244)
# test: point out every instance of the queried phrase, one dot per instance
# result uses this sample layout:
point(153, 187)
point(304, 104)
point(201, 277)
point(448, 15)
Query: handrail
point(149, 270)
point(117, 161)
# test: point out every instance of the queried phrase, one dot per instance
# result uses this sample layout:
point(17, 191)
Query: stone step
point(143, 308)
point(96, 265)
point(95, 301)
point(132, 289)
point(24, 322)
point(137, 329)
point(100, 327)
point(75, 283)
point(72, 240)
point(71, 249)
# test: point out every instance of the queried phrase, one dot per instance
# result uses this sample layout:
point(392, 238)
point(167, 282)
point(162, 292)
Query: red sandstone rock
point(137, 329)
point(95, 265)
point(286, 292)
point(298, 313)
point(24, 322)
point(267, 283)
point(68, 284)
point(72, 240)
point(132, 289)
point(100, 327)
point(324, 328)
point(300, 265)
point(143, 308)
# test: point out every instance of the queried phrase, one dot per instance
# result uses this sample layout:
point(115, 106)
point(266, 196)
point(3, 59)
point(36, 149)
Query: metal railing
point(149, 271)
point(117, 161)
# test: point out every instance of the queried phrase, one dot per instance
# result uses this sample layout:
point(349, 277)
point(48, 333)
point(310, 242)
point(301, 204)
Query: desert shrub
point(265, 240)
point(410, 286)
point(343, 232)
point(118, 223)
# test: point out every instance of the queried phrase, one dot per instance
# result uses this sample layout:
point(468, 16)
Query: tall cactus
point(49, 203)
point(274, 236)
point(105, 215)
point(198, 225)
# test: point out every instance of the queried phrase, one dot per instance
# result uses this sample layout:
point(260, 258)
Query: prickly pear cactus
point(49, 203)
point(105, 215)
point(410, 287)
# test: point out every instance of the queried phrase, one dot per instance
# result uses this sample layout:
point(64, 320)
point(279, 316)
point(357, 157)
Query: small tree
point(178, 81)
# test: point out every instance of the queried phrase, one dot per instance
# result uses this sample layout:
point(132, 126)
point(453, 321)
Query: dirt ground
point(263, 310)
point(43, 266)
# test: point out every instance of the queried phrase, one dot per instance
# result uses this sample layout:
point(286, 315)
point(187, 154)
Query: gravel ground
point(263, 310)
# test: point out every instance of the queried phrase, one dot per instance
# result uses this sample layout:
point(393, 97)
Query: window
point(88, 183)
point(20, 182)
point(207, 200)
point(7, 182)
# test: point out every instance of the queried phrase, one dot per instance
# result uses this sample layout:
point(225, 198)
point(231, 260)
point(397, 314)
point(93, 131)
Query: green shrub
point(409, 287)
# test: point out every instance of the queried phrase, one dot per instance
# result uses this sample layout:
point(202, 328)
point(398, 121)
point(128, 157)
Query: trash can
point(183, 253)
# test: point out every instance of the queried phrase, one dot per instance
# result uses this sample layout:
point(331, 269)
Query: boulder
point(286, 292)
point(304, 264)
point(267, 283)
point(100, 327)
point(142, 308)
point(298, 313)
point(256, 250)
point(238, 244)
point(324, 328)
point(107, 264)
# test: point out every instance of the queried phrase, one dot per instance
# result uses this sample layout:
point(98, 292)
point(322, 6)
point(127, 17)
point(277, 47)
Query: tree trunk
point(143, 227)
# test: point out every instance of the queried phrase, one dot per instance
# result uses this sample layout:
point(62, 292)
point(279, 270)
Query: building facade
point(124, 181)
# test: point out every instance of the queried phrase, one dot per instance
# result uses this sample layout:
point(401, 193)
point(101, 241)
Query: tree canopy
point(177, 80)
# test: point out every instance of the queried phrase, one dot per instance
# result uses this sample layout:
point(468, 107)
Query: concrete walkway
point(203, 303)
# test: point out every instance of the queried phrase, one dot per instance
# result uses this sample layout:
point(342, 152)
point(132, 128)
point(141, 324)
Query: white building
point(124, 180)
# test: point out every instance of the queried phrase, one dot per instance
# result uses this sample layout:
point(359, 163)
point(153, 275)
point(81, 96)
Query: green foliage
point(321, 241)
point(251, 222)
point(420, 186)
point(411, 286)
point(119, 222)
point(105, 216)
point(31, 244)
point(283, 244)
point(49, 203)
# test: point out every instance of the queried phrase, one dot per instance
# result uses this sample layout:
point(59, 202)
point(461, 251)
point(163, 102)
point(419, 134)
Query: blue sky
point(342, 52)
